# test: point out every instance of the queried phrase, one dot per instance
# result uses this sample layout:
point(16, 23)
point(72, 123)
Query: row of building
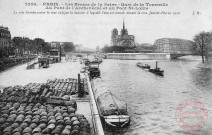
point(163, 45)
point(6, 43)
point(5, 39)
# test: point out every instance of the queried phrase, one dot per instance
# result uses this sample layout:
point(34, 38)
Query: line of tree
point(202, 45)
point(21, 46)
point(6, 51)
point(117, 49)
point(68, 47)
point(25, 45)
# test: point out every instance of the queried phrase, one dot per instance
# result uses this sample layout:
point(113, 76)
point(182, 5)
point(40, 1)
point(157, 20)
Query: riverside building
point(124, 39)
point(5, 39)
point(173, 45)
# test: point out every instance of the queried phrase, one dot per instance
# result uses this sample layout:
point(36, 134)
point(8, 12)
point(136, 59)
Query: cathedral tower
point(123, 39)
point(114, 34)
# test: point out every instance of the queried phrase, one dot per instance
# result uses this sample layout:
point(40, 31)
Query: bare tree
point(202, 44)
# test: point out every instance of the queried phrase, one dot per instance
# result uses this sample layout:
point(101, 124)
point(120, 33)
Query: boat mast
point(115, 102)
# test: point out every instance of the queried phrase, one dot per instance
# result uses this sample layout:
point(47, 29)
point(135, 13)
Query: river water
point(153, 100)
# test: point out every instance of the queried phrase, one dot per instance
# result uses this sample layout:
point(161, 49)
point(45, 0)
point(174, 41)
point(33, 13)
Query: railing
point(9, 62)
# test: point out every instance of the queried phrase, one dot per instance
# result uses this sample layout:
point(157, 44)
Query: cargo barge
point(146, 66)
point(113, 111)
point(156, 70)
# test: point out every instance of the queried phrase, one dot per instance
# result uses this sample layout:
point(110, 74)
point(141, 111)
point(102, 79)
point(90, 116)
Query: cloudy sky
point(95, 30)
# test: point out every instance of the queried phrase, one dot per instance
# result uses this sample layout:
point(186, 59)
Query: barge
point(156, 70)
point(146, 66)
point(113, 111)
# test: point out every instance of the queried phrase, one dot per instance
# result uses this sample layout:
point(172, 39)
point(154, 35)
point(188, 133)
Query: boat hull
point(157, 72)
point(143, 67)
point(116, 121)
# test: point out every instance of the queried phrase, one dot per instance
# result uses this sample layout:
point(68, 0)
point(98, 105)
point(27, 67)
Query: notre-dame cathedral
point(123, 39)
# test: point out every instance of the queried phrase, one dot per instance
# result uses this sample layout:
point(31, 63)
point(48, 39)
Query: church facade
point(124, 39)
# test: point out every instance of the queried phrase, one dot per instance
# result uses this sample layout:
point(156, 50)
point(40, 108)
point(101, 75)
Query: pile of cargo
point(68, 86)
point(34, 93)
point(58, 89)
point(42, 108)
point(109, 104)
point(37, 119)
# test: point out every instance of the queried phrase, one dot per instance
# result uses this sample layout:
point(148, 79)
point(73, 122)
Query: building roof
point(3, 28)
point(5, 33)
point(174, 39)
point(126, 42)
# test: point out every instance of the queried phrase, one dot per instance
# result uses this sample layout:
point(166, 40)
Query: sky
point(95, 30)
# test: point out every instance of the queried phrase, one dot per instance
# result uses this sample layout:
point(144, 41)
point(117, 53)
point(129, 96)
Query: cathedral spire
point(124, 31)
point(123, 24)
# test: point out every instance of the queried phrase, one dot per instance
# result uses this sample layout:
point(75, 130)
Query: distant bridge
point(146, 55)
point(138, 56)
point(177, 55)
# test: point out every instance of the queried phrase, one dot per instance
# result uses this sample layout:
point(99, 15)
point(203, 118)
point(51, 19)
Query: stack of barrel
point(42, 108)
point(39, 119)
point(68, 86)
point(36, 92)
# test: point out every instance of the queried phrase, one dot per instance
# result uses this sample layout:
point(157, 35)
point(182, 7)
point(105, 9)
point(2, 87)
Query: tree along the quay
point(202, 44)
point(69, 47)
point(24, 45)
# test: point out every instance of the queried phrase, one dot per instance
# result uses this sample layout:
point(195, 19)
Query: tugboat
point(157, 70)
point(146, 66)
point(113, 112)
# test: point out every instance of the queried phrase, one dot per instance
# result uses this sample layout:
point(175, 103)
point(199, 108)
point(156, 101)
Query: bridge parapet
point(175, 55)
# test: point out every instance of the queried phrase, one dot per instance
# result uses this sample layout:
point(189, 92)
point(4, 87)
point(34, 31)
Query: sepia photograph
point(105, 67)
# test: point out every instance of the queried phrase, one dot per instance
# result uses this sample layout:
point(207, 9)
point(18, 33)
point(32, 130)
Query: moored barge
point(113, 111)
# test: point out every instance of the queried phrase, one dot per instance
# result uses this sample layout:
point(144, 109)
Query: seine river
point(152, 100)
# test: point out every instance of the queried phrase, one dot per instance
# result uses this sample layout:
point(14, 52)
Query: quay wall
point(100, 55)
point(138, 56)
point(94, 111)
